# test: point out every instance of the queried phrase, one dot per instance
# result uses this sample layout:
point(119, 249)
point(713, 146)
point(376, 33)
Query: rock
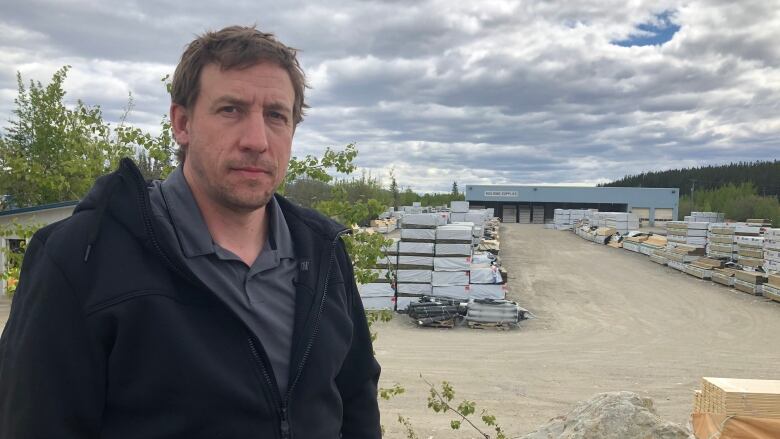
point(613, 415)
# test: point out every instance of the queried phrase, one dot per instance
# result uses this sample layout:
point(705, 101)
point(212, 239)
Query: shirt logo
point(304, 265)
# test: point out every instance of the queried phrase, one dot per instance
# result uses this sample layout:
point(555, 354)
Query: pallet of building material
point(494, 312)
point(753, 263)
point(434, 313)
point(487, 291)
point(418, 235)
point(750, 252)
point(751, 277)
point(455, 233)
point(632, 246)
point(489, 245)
point(771, 292)
point(759, 222)
point(707, 263)
point(658, 259)
point(749, 241)
point(701, 273)
point(383, 275)
point(450, 278)
point(451, 263)
point(414, 276)
point(773, 279)
point(386, 261)
point(414, 289)
point(420, 221)
point(740, 397)
point(723, 276)
point(453, 249)
point(415, 248)
point(460, 292)
point(415, 262)
point(747, 287)
point(680, 266)
point(484, 275)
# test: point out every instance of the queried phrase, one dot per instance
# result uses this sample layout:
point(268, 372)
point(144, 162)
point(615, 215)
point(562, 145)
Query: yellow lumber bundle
point(739, 397)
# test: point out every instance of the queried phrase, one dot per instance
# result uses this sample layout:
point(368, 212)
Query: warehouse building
point(536, 204)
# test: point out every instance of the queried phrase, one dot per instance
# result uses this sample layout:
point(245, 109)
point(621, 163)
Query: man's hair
point(234, 47)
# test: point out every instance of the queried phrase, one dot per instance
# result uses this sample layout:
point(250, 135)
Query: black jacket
point(112, 337)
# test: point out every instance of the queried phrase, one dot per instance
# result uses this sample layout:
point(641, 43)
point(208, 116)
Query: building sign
point(501, 193)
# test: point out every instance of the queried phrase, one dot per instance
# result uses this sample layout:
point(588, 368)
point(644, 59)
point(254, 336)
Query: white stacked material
point(383, 275)
point(420, 221)
point(451, 263)
point(414, 276)
point(562, 219)
point(413, 289)
point(452, 249)
point(484, 275)
point(460, 233)
point(449, 278)
point(681, 232)
point(457, 217)
point(487, 291)
point(418, 235)
point(622, 221)
point(376, 296)
point(772, 250)
point(453, 291)
point(402, 302)
point(386, 261)
point(415, 248)
point(720, 241)
point(392, 248)
point(705, 217)
point(750, 251)
point(415, 262)
point(459, 206)
point(478, 217)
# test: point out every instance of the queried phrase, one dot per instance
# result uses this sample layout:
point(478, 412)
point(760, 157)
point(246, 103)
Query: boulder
point(613, 415)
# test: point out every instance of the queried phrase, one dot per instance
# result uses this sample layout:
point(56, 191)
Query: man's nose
point(254, 135)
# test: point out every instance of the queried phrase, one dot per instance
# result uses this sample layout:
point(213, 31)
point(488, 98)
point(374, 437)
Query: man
point(203, 306)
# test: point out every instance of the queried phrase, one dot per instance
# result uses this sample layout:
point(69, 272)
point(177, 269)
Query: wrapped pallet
point(377, 296)
point(493, 312)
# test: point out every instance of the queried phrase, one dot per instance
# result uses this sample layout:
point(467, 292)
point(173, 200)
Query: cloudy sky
point(481, 92)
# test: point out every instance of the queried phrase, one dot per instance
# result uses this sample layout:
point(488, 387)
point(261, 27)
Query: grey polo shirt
point(262, 295)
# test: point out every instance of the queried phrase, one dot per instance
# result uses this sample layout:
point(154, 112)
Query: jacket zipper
point(285, 427)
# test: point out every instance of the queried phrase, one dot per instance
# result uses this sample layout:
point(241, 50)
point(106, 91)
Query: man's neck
point(243, 234)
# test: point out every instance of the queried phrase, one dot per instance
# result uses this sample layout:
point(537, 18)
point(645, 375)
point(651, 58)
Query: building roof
point(38, 208)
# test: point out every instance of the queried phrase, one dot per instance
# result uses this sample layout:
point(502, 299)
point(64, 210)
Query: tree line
point(764, 176)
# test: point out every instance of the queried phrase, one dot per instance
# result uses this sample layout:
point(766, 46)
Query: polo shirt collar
point(194, 236)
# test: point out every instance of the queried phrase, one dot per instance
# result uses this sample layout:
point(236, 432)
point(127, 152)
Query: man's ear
point(180, 123)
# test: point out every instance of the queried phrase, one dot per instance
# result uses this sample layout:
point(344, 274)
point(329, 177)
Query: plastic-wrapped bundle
point(487, 291)
point(414, 289)
point(453, 249)
point(418, 235)
point(415, 248)
point(494, 311)
point(451, 263)
point(434, 312)
point(414, 276)
point(487, 275)
point(449, 278)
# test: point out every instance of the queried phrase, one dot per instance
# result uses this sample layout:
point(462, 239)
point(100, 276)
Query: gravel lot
point(606, 320)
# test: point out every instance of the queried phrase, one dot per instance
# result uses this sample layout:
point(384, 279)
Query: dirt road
point(606, 319)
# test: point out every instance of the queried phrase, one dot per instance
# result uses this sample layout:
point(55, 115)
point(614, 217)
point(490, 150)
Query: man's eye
point(229, 109)
point(277, 115)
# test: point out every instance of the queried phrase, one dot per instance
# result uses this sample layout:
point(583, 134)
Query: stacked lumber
point(750, 251)
point(724, 276)
point(739, 397)
point(705, 217)
point(634, 243)
point(771, 251)
point(749, 281)
point(653, 243)
point(702, 268)
point(384, 225)
point(771, 289)
point(759, 222)
point(689, 233)
point(720, 241)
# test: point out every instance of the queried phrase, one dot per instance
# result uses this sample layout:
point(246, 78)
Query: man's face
point(238, 135)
